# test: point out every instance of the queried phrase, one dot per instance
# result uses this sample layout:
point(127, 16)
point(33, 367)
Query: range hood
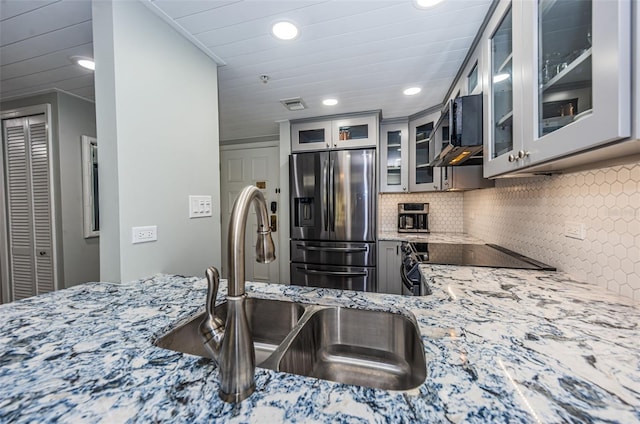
point(460, 128)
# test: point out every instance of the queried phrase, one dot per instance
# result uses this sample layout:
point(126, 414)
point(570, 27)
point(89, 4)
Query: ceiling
point(363, 53)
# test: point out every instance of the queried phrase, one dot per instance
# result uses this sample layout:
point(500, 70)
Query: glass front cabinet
point(422, 176)
point(394, 156)
point(339, 133)
point(559, 78)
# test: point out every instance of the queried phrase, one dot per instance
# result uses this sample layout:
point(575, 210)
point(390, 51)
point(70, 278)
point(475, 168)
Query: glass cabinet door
point(502, 88)
point(424, 172)
point(422, 177)
point(393, 157)
point(359, 131)
point(310, 136)
point(580, 73)
point(564, 63)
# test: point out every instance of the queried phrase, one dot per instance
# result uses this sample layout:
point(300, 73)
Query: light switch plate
point(574, 230)
point(200, 206)
point(144, 234)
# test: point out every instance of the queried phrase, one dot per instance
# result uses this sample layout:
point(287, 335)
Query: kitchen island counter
point(501, 346)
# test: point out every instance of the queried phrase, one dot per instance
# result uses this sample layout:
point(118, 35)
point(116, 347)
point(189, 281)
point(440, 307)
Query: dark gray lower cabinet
point(389, 261)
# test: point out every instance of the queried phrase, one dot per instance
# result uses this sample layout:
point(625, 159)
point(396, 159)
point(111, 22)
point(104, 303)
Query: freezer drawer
point(334, 253)
point(334, 277)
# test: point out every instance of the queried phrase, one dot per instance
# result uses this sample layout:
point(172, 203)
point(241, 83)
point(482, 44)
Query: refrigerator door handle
point(333, 249)
point(325, 194)
point(333, 273)
point(332, 189)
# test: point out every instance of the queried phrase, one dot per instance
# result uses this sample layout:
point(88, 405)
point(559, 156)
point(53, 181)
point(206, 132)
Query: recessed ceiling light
point(284, 30)
point(329, 102)
point(412, 91)
point(423, 4)
point(85, 62)
point(500, 77)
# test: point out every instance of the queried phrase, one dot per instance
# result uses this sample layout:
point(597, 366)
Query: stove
point(486, 255)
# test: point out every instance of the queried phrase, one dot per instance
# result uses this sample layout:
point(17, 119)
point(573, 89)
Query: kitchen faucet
point(230, 343)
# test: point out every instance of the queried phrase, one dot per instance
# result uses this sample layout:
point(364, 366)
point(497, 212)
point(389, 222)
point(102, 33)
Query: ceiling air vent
point(295, 103)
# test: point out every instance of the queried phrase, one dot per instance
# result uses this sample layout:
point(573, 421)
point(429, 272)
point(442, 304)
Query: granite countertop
point(501, 346)
point(429, 237)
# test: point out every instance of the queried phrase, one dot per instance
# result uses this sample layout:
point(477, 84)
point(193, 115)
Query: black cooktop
point(488, 255)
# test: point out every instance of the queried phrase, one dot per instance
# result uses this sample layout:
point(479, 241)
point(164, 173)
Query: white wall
point(76, 117)
point(157, 119)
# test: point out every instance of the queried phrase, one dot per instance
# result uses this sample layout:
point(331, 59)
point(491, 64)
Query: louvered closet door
point(28, 206)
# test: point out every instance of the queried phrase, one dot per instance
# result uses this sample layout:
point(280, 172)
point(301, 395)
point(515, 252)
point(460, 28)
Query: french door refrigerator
point(333, 219)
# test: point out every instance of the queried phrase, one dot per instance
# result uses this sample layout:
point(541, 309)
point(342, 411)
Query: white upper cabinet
point(559, 77)
point(394, 156)
point(336, 133)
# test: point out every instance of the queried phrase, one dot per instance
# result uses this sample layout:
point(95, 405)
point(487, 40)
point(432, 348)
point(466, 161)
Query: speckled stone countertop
point(430, 237)
point(501, 346)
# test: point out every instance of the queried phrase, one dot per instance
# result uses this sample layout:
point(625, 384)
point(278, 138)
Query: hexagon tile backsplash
point(528, 215)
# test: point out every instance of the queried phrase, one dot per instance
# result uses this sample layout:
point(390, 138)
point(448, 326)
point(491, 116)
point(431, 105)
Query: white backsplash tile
point(528, 215)
point(445, 210)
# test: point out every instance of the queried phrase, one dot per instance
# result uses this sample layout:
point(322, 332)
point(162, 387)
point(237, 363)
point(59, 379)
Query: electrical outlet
point(200, 206)
point(574, 230)
point(144, 234)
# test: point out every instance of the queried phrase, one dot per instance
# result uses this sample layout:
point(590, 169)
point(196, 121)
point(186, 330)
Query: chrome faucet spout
point(230, 343)
point(265, 250)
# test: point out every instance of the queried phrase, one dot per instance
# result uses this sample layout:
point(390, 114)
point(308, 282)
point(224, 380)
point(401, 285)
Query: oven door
point(408, 287)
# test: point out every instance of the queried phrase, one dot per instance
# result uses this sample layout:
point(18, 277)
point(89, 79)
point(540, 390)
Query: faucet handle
point(213, 283)
point(212, 327)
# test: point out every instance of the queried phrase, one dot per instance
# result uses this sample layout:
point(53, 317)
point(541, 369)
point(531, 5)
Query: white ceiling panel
point(307, 16)
point(237, 13)
point(11, 8)
point(45, 62)
point(44, 20)
point(46, 77)
point(62, 39)
point(364, 53)
point(67, 84)
point(179, 9)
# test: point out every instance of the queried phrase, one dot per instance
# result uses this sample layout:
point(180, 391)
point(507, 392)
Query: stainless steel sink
point(362, 347)
point(270, 322)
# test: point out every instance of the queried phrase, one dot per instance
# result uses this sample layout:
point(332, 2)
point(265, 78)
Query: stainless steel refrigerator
point(333, 219)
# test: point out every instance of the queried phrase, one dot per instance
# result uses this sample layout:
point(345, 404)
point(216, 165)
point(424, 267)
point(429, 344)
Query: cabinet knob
point(404, 189)
point(335, 144)
point(522, 154)
point(512, 158)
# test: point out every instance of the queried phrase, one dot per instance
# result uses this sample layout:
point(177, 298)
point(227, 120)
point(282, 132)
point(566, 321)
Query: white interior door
point(240, 168)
